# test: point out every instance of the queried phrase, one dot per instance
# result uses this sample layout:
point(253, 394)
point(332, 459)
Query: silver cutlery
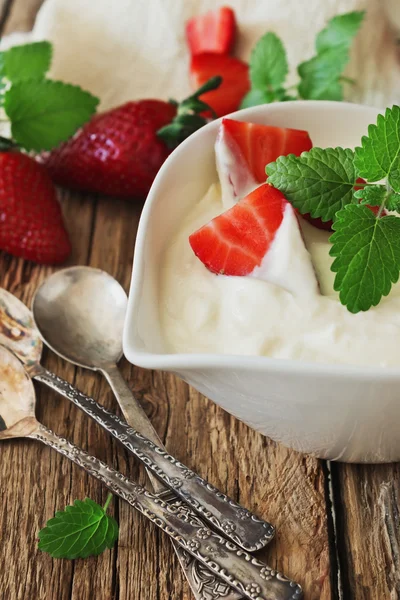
point(18, 332)
point(249, 576)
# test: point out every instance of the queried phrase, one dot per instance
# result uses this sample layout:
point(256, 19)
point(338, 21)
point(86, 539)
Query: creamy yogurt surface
point(204, 312)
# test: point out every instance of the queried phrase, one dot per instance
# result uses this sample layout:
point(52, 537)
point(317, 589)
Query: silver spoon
point(80, 313)
point(18, 332)
point(252, 578)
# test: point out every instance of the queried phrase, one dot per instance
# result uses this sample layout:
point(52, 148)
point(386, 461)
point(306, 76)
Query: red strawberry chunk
point(244, 149)
point(31, 223)
point(212, 32)
point(235, 242)
point(235, 84)
point(262, 144)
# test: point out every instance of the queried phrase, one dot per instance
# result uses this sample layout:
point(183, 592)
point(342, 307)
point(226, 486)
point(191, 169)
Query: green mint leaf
point(379, 154)
point(373, 195)
point(30, 61)
point(393, 201)
point(268, 63)
point(319, 182)
point(256, 97)
point(320, 76)
point(340, 31)
point(79, 531)
point(367, 251)
point(44, 113)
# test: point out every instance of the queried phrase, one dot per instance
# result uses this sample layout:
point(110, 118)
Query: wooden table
point(338, 525)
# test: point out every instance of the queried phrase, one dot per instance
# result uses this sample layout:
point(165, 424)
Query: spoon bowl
point(88, 307)
point(18, 331)
point(17, 398)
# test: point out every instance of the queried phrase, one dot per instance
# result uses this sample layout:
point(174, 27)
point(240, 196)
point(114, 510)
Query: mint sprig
point(42, 112)
point(379, 154)
point(30, 61)
point(268, 71)
point(79, 531)
point(320, 77)
point(366, 240)
point(367, 251)
point(319, 182)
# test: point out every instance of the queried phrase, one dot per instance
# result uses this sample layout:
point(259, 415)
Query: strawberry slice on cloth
point(244, 149)
point(213, 31)
point(258, 237)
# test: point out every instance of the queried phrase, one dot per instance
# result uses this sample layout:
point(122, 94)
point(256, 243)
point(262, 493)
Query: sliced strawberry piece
point(244, 149)
point(235, 84)
point(235, 242)
point(212, 32)
point(244, 241)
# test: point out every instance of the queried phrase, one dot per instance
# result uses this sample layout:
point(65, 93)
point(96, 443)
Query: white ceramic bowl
point(332, 411)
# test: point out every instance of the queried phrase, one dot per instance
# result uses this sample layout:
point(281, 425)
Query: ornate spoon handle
point(240, 570)
point(234, 521)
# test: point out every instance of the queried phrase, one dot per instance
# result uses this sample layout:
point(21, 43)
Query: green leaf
point(268, 63)
point(180, 128)
point(30, 61)
point(379, 154)
point(320, 76)
point(340, 31)
point(319, 182)
point(79, 531)
point(393, 201)
point(257, 97)
point(45, 113)
point(367, 251)
point(373, 195)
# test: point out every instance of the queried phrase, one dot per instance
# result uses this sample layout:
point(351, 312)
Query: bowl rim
point(211, 361)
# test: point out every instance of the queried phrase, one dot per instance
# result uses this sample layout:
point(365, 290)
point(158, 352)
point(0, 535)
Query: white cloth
point(128, 49)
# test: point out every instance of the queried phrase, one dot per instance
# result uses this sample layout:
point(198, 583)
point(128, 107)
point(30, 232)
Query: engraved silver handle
point(248, 575)
point(205, 584)
point(234, 521)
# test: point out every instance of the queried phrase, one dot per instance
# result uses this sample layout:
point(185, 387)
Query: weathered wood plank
point(367, 506)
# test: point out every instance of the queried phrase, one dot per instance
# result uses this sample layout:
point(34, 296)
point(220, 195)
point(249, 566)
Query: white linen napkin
point(129, 49)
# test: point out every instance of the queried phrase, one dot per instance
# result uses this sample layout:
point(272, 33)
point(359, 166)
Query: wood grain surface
point(337, 526)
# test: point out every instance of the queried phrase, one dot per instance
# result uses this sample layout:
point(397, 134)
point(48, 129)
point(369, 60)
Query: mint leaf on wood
point(79, 531)
point(30, 61)
point(379, 154)
point(367, 251)
point(268, 63)
point(319, 182)
point(44, 113)
point(340, 31)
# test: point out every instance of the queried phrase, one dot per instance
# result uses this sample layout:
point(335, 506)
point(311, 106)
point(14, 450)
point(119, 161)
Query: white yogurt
point(204, 312)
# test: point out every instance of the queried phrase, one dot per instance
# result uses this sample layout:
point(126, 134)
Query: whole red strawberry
point(31, 224)
point(119, 152)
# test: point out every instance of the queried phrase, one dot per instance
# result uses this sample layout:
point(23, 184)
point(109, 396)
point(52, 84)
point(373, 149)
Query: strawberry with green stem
point(119, 152)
